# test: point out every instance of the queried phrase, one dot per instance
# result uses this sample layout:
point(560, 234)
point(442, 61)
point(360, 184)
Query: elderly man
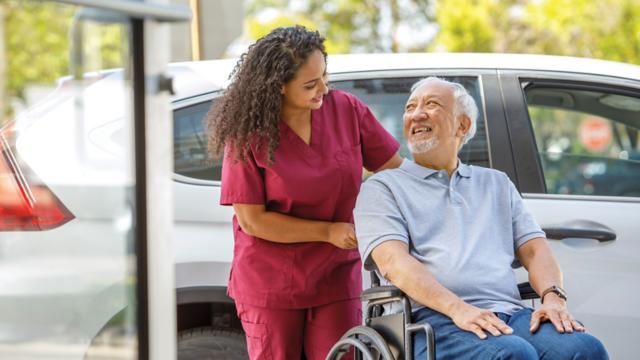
point(447, 234)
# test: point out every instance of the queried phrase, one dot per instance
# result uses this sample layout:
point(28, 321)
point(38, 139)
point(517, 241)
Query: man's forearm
point(537, 258)
point(410, 276)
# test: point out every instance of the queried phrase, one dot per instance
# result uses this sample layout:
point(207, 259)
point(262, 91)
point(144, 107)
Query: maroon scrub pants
point(283, 334)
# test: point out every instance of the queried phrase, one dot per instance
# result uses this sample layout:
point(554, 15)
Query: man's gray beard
point(422, 146)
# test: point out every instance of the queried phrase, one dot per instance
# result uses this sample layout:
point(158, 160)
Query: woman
point(294, 152)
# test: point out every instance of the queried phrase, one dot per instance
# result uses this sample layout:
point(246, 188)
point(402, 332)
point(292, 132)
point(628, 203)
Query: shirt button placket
point(452, 191)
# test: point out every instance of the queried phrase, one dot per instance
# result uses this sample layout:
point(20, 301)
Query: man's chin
point(422, 147)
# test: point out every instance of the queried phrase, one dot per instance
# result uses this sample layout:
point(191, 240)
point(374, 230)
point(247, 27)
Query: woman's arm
point(255, 220)
point(392, 163)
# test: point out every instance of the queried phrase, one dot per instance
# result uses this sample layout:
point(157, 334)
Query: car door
point(203, 245)
point(575, 141)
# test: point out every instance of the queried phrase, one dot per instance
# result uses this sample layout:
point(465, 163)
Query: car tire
point(212, 343)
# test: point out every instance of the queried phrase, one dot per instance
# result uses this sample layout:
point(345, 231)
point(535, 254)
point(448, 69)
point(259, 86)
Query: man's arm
point(536, 256)
point(396, 264)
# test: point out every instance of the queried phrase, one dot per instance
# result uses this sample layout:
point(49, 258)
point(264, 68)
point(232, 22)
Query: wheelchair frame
point(389, 337)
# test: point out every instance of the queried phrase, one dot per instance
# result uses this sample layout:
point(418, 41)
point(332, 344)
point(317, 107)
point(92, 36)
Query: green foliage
point(37, 48)
point(348, 25)
point(38, 43)
point(606, 29)
point(465, 26)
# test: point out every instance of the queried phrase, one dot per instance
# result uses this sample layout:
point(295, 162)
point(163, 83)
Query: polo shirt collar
point(463, 170)
point(422, 172)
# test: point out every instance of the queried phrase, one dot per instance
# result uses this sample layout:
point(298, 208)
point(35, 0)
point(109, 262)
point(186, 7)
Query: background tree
point(606, 29)
point(37, 45)
point(348, 25)
point(33, 29)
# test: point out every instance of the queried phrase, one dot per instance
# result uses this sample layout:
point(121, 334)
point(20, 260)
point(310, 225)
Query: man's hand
point(343, 235)
point(554, 309)
point(470, 318)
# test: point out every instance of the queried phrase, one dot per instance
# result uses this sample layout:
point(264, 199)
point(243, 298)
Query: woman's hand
point(343, 235)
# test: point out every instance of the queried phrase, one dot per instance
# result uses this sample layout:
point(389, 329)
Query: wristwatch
point(556, 290)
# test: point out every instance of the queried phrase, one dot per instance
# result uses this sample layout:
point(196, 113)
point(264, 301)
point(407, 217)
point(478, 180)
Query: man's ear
point(282, 90)
point(463, 126)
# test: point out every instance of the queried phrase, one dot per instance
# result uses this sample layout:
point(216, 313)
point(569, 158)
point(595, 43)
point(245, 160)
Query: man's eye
point(309, 87)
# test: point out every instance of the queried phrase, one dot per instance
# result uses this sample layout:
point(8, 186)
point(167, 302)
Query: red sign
point(595, 133)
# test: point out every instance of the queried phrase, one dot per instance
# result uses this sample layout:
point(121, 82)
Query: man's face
point(429, 122)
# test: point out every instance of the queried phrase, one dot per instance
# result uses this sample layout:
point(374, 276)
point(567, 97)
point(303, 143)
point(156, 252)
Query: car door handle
point(580, 229)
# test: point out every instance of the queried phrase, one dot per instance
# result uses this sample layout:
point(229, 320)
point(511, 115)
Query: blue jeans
point(546, 343)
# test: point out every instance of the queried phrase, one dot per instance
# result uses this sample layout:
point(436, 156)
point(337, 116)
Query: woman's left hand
point(343, 235)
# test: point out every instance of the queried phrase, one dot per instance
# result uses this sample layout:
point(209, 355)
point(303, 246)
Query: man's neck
point(437, 162)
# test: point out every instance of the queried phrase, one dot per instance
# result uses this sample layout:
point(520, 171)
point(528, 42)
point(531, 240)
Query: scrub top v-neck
point(315, 181)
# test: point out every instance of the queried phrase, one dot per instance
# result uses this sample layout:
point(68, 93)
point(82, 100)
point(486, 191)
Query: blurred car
point(598, 175)
point(531, 108)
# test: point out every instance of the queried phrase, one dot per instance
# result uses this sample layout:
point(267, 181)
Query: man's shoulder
point(387, 176)
point(484, 173)
point(385, 181)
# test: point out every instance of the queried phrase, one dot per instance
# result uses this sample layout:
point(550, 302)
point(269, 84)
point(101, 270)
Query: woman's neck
point(295, 116)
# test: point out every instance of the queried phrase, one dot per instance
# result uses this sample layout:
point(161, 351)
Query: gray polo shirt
point(465, 230)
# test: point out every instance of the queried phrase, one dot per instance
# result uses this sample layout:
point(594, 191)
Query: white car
point(565, 130)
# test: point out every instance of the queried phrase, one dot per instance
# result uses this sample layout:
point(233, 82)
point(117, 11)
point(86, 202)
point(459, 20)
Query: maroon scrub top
point(318, 181)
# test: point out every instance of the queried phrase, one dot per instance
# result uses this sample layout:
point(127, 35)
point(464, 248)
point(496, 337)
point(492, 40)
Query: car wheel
point(211, 343)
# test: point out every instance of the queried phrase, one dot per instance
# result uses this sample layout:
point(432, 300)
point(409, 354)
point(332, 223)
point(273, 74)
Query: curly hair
point(249, 111)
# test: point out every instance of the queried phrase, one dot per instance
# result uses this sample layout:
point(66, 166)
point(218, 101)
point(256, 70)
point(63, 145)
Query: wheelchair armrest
point(381, 292)
point(527, 292)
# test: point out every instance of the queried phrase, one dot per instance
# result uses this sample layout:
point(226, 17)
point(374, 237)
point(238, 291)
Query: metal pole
point(196, 49)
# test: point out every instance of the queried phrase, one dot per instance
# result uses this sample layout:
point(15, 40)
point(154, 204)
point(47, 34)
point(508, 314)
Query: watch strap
point(556, 290)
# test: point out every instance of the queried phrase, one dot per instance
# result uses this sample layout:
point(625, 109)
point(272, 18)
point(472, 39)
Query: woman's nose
point(325, 86)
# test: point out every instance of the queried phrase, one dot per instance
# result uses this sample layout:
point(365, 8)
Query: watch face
point(556, 290)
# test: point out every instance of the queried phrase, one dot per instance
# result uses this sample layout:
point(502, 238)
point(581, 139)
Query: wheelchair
point(389, 336)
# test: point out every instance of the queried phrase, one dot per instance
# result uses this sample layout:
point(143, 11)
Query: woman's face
point(307, 88)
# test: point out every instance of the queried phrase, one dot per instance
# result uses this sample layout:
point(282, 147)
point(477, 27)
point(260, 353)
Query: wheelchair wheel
point(368, 344)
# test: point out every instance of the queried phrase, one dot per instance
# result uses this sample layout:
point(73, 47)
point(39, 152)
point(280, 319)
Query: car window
point(587, 139)
point(386, 98)
point(190, 144)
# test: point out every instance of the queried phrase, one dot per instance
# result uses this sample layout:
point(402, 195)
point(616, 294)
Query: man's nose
point(417, 114)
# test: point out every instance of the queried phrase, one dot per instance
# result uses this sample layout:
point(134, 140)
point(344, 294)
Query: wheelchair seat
point(389, 336)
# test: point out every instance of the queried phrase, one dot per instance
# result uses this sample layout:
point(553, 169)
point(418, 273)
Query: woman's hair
point(249, 111)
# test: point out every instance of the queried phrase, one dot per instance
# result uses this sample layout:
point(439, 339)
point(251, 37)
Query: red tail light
point(25, 202)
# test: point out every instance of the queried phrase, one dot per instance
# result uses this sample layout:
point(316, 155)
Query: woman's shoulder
point(343, 98)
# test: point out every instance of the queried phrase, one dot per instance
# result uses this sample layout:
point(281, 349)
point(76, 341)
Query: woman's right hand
point(343, 235)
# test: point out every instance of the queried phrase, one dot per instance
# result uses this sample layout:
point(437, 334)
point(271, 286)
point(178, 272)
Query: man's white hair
point(463, 102)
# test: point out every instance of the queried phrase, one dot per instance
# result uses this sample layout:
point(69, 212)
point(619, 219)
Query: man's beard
point(422, 146)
